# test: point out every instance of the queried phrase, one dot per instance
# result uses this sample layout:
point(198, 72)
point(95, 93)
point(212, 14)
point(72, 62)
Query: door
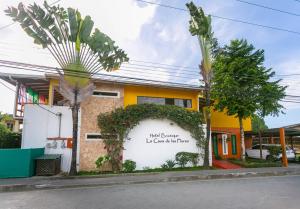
point(215, 145)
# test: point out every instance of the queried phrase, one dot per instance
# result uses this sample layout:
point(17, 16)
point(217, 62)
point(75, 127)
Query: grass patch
point(151, 170)
point(256, 163)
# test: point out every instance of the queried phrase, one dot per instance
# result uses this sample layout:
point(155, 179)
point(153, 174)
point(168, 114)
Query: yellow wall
point(222, 120)
point(53, 82)
point(132, 92)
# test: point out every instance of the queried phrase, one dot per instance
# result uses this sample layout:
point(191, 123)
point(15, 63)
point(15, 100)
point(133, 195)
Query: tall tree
point(80, 52)
point(242, 85)
point(200, 26)
point(258, 126)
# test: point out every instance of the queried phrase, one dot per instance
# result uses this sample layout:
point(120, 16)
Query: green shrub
point(194, 157)
point(274, 151)
point(129, 166)
point(182, 158)
point(9, 139)
point(101, 160)
point(169, 164)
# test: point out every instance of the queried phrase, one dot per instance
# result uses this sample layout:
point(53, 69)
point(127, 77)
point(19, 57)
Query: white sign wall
point(154, 141)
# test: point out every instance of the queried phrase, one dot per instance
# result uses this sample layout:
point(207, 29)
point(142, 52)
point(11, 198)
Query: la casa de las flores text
point(165, 138)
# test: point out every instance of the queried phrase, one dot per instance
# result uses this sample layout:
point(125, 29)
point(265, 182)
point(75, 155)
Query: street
point(250, 193)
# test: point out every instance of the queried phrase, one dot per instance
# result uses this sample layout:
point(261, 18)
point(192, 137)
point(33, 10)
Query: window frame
point(165, 98)
point(106, 96)
point(93, 139)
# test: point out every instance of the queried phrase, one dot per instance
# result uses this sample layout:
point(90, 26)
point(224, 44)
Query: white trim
point(93, 134)
point(117, 92)
point(224, 144)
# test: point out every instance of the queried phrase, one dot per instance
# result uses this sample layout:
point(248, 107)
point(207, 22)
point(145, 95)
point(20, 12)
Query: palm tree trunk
point(75, 109)
point(260, 144)
point(242, 139)
point(208, 124)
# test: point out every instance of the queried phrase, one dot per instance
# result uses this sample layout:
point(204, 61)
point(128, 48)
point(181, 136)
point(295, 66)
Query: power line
point(43, 69)
point(8, 25)
point(161, 70)
point(227, 18)
point(154, 66)
point(269, 8)
point(56, 114)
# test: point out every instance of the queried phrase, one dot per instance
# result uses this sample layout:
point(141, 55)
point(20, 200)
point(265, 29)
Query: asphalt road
point(251, 193)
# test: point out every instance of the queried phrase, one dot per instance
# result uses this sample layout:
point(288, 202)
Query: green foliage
point(200, 26)
point(168, 164)
point(102, 160)
point(182, 158)
point(241, 83)
point(69, 38)
point(5, 117)
point(255, 163)
point(258, 124)
point(274, 151)
point(129, 166)
point(116, 125)
point(9, 139)
point(3, 131)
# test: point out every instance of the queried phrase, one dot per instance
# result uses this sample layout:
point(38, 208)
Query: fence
point(18, 162)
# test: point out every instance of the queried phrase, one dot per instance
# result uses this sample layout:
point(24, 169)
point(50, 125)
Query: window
point(233, 144)
point(93, 136)
point(99, 136)
point(155, 100)
point(112, 94)
point(186, 103)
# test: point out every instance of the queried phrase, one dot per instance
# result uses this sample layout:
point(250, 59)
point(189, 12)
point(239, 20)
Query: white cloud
point(291, 65)
point(122, 20)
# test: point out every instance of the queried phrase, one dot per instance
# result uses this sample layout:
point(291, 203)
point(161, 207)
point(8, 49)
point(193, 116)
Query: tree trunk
point(260, 144)
point(242, 139)
point(208, 123)
point(75, 109)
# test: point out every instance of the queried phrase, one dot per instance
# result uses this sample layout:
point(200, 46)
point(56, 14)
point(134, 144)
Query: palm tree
point(79, 52)
point(200, 26)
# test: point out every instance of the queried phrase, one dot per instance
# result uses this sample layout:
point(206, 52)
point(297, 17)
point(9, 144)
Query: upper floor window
point(111, 94)
point(186, 103)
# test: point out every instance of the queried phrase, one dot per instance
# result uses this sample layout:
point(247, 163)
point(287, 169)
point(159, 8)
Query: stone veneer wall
point(90, 150)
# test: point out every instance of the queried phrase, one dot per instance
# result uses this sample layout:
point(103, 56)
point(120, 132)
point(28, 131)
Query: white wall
point(150, 147)
point(39, 124)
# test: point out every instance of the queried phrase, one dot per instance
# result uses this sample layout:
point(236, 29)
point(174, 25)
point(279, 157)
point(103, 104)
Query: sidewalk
point(57, 182)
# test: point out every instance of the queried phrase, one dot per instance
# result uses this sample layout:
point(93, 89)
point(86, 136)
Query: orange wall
point(230, 131)
point(132, 92)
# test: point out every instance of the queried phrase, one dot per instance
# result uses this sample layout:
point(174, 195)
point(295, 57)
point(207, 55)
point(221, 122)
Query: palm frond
point(70, 39)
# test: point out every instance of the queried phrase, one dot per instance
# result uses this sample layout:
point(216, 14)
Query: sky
point(156, 34)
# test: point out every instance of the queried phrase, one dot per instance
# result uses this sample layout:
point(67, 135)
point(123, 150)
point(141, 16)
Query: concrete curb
point(49, 186)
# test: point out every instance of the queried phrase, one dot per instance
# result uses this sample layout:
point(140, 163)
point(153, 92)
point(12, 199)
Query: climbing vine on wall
point(116, 125)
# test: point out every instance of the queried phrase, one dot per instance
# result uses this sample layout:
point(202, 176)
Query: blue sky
point(157, 34)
